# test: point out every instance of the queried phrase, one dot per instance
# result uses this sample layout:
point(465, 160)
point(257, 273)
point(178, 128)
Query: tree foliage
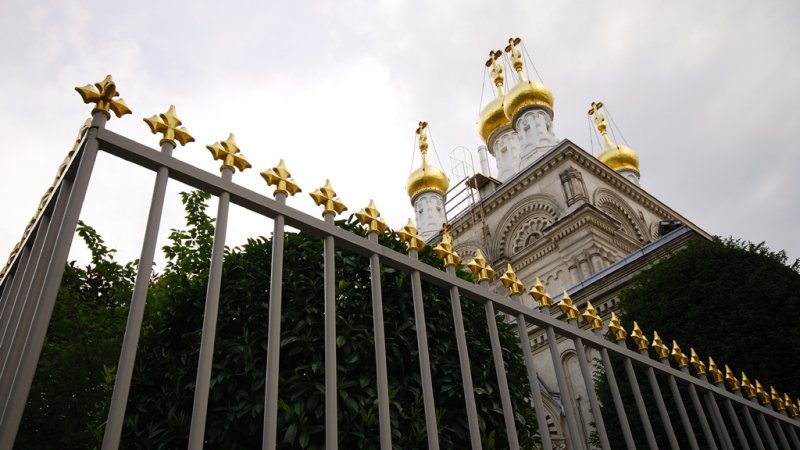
point(733, 300)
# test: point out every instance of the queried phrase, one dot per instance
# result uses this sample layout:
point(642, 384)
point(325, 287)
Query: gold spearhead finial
point(616, 327)
point(410, 235)
point(479, 267)
point(747, 388)
point(103, 94)
point(370, 217)
point(229, 153)
point(497, 69)
point(423, 137)
point(694, 360)
point(445, 250)
point(279, 177)
point(678, 356)
point(170, 127)
point(733, 383)
point(777, 401)
point(791, 408)
point(658, 345)
point(326, 197)
point(569, 309)
point(516, 56)
point(540, 295)
point(511, 282)
point(714, 371)
point(762, 395)
point(591, 317)
point(638, 337)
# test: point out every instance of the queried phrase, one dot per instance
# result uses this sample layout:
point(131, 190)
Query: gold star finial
point(170, 127)
point(423, 137)
point(678, 356)
point(591, 317)
point(762, 395)
point(747, 388)
point(714, 371)
point(569, 309)
point(103, 94)
point(638, 337)
point(777, 401)
point(279, 177)
point(694, 360)
point(616, 327)
point(229, 153)
point(730, 378)
point(511, 282)
point(540, 295)
point(445, 250)
point(410, 235)
point(326, 197)
point(479, 267)
point(516, 56)
point(370, 217)
point(658, 345)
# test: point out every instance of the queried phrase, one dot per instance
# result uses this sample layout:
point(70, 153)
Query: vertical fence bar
point(767, 432)
point(662, 407)
point(793, 435)
point(203, 384)
point(380, 349)
point(713, 408)
point(463, 359)
point(619, 406)
point(684, 416)
point(45, 294)
point(701, 415)
point(572, 425)
point(588, 381)
point(737, 427)
point(331, 392)
point(500, 372)
point(424, 358)
point(133, 327)
point(270, 436)
point(637, 396)
point(533, 380)
point(781, 436)
point(11, 288)
point(751, 426)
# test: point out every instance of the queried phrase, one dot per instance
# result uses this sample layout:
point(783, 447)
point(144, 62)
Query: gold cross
point(423, 137)
point(479, 267)
point(445, 248)
point(169, 126)
point(659, 347)
point(326, 197)
point(516, 55)
point(599, 118)
point(370, 217)
point(511, 282)
point(228, 152)
point(102, 95)
point(497, 68)
point(569, 309)
point(410, 235)
point(591, 317)
point(279, 177)
point(540, 295)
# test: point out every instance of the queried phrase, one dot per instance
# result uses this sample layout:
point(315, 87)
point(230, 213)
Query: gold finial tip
point(326, 197)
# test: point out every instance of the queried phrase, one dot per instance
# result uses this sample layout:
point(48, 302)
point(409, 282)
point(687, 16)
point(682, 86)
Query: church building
point(581, 224)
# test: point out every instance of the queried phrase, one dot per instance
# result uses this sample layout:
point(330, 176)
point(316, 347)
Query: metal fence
point(726, 413)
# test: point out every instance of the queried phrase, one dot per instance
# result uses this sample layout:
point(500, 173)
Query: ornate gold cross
point(694, 360)
point(445, 250)
point(410, 235)
point(279, 177)
point(370, 217)
point(497, 68)
point(326, 197)
point(511, 282)
point(678, 355)
point(516, 55)
point(228, 152)
point(102, 95)
point(423, 137)
point(659, 347)
point(616, 327)
point(638, 337)
point(591, 317)
point(568, 308)
point(169, 125)
point(599, 118)
point(479, 267)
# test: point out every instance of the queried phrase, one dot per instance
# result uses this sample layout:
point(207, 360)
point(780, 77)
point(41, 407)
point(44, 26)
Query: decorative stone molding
point(532, 216)
point(611, 203)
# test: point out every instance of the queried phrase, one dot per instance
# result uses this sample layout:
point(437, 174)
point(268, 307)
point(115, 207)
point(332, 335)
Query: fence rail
point(30, 285)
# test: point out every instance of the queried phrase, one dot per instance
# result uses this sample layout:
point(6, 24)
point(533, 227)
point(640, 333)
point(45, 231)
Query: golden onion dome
point(427, 177)
point(493, 117)
point(526, 93)
point(619, 157)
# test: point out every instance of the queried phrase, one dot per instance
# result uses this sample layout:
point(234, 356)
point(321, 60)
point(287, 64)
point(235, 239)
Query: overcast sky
point(708, 93)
